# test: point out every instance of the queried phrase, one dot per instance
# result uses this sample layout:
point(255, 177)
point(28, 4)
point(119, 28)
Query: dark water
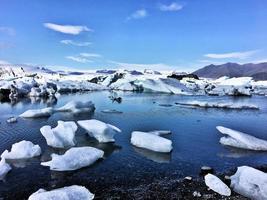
point(195, 141)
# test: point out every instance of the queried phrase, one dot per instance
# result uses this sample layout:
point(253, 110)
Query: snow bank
point(241, 140)
point(214, 183)
point(77, 107)
point(61, 136)
point(4, 168)
point(45, 112)
point(151, 142)
point(73, 159)
point(22, 150)
point(250, 182)
point(73, 192)
point(99, 130)
point(204, 104)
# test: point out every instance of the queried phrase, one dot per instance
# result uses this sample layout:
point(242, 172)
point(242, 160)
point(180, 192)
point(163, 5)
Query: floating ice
point(77, 107)
point(61, 136)
point(99, 130)
point(73, 192)
point(160, 132)
point(4, 168)
point(45, 112)
point(73, 159)
point(214, 183)
point(250, 182)
point(11, 120)
point(22, 150)
point(151, 142)
point(241, 140)
point(111, 111)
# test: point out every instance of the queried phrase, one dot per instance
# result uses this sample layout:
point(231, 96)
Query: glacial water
point(194, 136)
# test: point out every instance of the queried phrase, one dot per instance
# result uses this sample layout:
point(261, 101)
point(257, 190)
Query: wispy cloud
point(4, 62)
point(7, 30)
point(84, 57)
point(79, 44)
point(171, 7)
point(67, 29)
point(90, 55)
point(238, 55)
point(138, 14)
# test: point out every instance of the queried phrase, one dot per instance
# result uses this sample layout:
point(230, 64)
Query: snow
point(214, 183)
point(4, 168)
point(101, 131)
point(73, 159)
point(250, 182)
point(77, 107)
point(73, 192)
point(22, 150)
point(204, 104)
point(45, 112)
point(61, 136)
point(160, 132)
point(241, 140)
point(151, 141)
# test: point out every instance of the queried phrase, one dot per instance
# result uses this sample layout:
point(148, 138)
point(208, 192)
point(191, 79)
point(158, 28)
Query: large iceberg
point(45, 112)
point(214, 183)
point(4, 168)
point(22, 150)
point(61, 136)
point(73, 159)
point(241, 140)
point(73, 192)
point(250, 182)
point(101, 131)
point(151, 141)
point(77, 107)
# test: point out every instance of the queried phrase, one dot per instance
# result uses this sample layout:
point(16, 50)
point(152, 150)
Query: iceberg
point(99, 130)
point(73, 159)
point(74, 192)
point(250, 182)
point(22, 150)
point(214, 183)
point(77, 107)
point(61, 136)
point(4, 168)
point(241, 140)
point(151, 141)
point(45, 112)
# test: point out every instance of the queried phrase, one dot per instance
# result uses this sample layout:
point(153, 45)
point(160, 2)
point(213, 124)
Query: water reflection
point(238, 153)
point(154, 156)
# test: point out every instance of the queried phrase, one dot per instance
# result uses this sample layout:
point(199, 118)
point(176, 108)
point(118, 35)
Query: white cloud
point(4, 62)
point(7, 30)
point(171, 7)
point(139, 14)
point(87, 55)
point(238, 55)
point(79, 59)
point(68, 29)
point(79, 44)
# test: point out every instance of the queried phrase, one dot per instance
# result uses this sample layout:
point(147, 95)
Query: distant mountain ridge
point(257, 71)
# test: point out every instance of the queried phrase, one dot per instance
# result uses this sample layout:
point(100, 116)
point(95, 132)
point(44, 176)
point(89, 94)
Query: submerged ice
point(77, 107)
point(45, 112)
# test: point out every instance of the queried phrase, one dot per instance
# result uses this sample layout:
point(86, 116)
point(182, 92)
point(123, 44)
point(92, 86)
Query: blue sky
point(158, 34)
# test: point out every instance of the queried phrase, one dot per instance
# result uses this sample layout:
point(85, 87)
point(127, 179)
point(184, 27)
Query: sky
point(134, 34)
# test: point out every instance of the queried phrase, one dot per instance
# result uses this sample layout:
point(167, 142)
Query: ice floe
point(241, 140)
point(151, 141)
point(160, 132)
point(214, 183)
point(77, 107)
point(73, 192)
point(250, 182)
point(4, 168)
point(101, 131)
point(45, 112)
point(22, 150)
point(73, 159)
point(61, 136)
point(111, 111)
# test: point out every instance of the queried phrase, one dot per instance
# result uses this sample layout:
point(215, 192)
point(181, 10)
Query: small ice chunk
point(111, 111)
point(151, 142)
point(74, 192)
point(214, 183)
point(61, 136)
point(45, 112)
point(4, 168)
point(241, 140)
point(160, 132)
point(250, 182)
point(22, 150)
point(73, 159)
point(99, 130)
point(77, 107)
point(11, 120)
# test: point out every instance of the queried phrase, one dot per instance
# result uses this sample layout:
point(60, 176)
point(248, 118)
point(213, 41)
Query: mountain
point(257, 71)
